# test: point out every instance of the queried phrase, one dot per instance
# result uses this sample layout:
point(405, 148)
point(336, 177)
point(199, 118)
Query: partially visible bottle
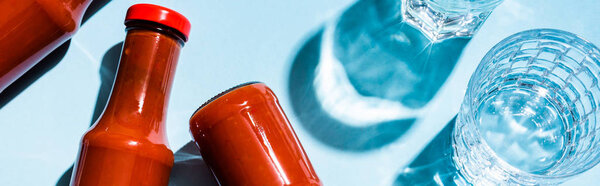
point(128, 144)
point(246, 139)
point(31, 29)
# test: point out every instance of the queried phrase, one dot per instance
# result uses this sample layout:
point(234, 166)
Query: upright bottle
point(31, 29)
point(128, 144)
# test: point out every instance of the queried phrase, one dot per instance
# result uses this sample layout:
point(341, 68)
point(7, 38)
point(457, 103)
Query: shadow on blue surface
point(384, 57)
point(33, 74)
point(108, 71)
point(325, 128)
point(190, 169)
point(380, 72)
point(434, 165)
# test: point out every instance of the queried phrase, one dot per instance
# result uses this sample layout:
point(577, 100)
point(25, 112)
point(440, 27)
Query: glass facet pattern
point(530, 113)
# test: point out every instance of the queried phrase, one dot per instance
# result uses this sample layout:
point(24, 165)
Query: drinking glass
point(441, 19)
point(530, 115)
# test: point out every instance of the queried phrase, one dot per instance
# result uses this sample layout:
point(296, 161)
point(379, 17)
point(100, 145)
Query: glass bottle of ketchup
point(31, 29)
point(246, 139)
point(128, 144)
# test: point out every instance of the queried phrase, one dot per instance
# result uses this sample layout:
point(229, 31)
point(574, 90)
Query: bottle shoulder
point(141, 145)
point(132, 128)
point(66, 14)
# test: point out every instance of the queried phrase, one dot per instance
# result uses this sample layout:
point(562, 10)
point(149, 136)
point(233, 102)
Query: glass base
point(438, 24)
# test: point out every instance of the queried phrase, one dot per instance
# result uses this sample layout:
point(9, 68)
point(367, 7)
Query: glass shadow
point(434, 165)
point(315, 119)
point(360, 83)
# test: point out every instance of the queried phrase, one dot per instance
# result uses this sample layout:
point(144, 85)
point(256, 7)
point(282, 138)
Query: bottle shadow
point(47, 63)
point(190, 169)
point(108, 72)
point(33, 74)
point(362, 83)
point(434, 165)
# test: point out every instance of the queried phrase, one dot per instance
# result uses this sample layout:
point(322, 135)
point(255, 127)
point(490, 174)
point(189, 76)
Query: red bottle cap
point(159, 14)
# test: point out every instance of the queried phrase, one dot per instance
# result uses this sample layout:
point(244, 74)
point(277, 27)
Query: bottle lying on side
point(246, 139)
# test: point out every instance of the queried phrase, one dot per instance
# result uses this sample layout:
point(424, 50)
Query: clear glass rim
point(486, 6)
point(576, 42)
point(585, 45)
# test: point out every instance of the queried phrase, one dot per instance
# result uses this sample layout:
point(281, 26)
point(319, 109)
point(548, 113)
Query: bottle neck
point(140, 93)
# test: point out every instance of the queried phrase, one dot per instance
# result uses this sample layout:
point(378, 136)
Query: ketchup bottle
point(128, 144)
point(31, 29)
point(246, 139)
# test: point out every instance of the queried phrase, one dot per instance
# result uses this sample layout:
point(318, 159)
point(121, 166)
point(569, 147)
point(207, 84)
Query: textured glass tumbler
point(530, 115)
point(441, 19)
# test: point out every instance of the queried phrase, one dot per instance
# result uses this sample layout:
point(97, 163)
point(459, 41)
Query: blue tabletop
point(233, 42)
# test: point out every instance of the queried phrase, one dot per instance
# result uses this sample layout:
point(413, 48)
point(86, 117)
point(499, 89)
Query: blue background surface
point(239, 41)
